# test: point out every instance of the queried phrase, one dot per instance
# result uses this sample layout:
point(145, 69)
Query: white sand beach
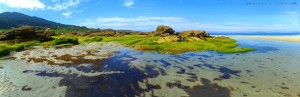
point(278, 38)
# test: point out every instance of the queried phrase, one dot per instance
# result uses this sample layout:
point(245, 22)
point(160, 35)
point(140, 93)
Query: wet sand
point(278, 38)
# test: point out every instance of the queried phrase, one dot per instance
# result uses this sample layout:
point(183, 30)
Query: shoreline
point(295, 39)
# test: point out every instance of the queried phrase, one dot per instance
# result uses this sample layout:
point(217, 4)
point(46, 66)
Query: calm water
point(270, 71)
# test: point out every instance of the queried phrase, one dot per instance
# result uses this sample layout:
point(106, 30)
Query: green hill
point(15, 19)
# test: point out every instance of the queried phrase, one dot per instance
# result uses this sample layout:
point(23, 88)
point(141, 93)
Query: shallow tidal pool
point(272, 70)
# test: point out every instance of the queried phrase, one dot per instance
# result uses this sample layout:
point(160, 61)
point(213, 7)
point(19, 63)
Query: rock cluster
point(182, 36)
point(193, 33)
point(27, 32)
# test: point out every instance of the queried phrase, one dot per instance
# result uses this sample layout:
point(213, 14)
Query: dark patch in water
point(225, 76)
point(198, 55)
point(220, 69)
point(113, 85)
point(182, 58)
point(197, 65)
point(181, 71)
point(193, 76)
point(209, 66)
point(190, 67)
point(227, 70)
point(165, 63)
point(150, 71)
point(208, 89)
point(162, 72)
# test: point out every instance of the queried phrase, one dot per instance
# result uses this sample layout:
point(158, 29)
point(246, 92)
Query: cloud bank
point(180, 24)
point(26, 4)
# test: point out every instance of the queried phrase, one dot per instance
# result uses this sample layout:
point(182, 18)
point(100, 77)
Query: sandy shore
point(278, 38)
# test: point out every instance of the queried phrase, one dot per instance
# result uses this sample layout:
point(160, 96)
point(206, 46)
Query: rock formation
point(194, 33)
point(183, 36)
point(164, 30)
point(48, 32)
point(27, 33)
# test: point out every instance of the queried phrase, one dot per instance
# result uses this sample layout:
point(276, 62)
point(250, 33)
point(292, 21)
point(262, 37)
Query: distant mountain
point(15, 19)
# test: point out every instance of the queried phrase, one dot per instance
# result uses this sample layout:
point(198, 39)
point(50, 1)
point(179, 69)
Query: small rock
point(26, 88)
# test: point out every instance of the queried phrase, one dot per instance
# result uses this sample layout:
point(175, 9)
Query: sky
point(146, 15)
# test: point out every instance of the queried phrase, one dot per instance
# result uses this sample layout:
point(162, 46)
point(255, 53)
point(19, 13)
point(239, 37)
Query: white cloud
point(64, 5)
point(67, 14)
point(128, 3)
point(180, 24)
point(27, 4)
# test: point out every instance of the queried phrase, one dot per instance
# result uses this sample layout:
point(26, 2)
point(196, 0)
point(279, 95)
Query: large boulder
point(164, 30)
point(24, 32)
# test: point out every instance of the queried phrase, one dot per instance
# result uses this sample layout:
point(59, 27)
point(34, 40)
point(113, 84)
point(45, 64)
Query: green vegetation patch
point(60, 40)
point(167, 44)
point(219, 44)
point(89, 39)
point(4, 51)
point(4, 30)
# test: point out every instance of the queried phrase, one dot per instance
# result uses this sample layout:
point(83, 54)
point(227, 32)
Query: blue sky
point(145, 15)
